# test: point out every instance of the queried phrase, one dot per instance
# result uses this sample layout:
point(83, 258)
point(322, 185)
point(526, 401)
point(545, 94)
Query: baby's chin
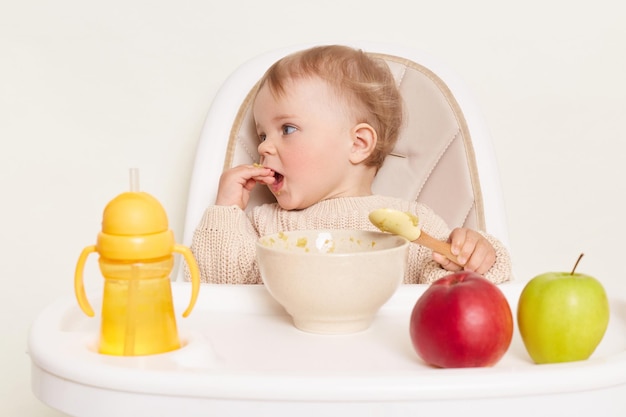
point(289, 205)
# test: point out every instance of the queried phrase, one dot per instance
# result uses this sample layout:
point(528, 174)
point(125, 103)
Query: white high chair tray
point(241, 355)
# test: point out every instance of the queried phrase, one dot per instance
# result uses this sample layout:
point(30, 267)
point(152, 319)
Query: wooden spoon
point(407, 225)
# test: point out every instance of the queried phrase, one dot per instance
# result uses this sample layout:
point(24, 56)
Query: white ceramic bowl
point(332, 281)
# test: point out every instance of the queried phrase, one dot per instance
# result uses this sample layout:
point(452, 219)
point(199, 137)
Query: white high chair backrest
point(443, 158)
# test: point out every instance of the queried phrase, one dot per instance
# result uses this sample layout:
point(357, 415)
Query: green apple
point(562, 316)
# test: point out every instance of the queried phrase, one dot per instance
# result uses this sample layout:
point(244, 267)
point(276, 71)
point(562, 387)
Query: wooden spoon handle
point(436, 245)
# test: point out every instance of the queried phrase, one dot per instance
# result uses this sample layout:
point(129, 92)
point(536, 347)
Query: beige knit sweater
point(224, 241)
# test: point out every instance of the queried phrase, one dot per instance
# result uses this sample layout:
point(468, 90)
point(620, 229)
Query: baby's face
point(306, 138)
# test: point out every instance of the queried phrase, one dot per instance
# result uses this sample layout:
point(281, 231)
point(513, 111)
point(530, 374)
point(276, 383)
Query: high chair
point(240, 354)
point(443, 158)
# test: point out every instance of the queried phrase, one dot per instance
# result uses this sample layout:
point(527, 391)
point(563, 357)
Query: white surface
point(242, 351)
point(90, 89)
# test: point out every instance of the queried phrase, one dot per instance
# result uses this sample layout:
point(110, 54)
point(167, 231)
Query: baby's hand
point(473, 252)
point(236, 184)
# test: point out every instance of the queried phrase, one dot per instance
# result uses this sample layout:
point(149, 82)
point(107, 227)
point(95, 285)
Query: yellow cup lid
point(134, 213)
point(135, 226)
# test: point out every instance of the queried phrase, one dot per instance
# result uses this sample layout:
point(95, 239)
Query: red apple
point(461, 320)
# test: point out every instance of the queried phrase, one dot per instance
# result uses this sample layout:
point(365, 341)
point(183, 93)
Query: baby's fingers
point(482, 259)
point(236, 183)
point(265, 178)
point(446, 263)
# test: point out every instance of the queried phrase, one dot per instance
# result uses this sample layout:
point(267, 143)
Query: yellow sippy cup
point(136, 258)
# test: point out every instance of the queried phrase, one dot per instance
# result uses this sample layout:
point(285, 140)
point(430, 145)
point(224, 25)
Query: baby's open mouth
point(278, 182)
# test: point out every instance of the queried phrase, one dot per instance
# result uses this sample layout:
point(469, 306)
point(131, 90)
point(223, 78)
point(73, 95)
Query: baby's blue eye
point(262, 137)
point(288, 130)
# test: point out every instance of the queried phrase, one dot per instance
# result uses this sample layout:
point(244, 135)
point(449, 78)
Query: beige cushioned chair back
point(433, 161)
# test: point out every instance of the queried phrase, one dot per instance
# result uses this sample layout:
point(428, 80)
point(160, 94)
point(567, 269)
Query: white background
point(90, 89)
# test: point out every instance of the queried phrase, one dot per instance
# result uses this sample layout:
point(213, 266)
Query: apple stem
point(576, 264)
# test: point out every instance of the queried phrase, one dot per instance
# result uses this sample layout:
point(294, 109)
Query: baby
point(326, 119)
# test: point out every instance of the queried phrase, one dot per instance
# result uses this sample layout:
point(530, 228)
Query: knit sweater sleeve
point(224, 247)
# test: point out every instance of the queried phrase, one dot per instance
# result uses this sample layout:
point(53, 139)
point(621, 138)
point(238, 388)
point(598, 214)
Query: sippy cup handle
point(194, 272)
point(79, 287)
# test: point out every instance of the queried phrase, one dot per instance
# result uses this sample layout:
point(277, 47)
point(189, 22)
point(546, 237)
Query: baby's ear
point(364, 140)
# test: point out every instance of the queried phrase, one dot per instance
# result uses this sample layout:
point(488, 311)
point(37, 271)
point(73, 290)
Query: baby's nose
point(265, 147)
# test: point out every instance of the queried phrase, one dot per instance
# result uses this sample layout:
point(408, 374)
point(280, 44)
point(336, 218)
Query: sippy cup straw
point(133, 285)
point(134, 180)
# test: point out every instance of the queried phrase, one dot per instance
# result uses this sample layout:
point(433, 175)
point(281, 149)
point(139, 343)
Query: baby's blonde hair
point(365, 82)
